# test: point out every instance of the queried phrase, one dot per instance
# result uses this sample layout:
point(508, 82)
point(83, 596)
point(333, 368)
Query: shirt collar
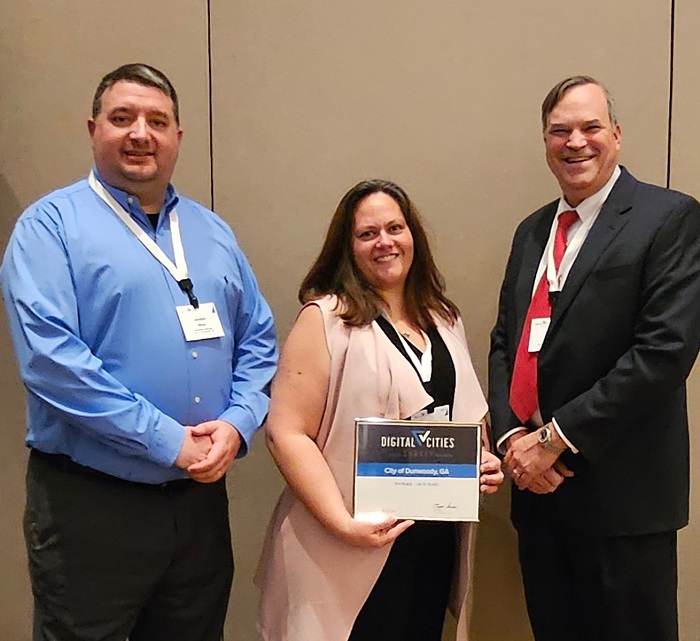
point(122, 197)
point(592, 205)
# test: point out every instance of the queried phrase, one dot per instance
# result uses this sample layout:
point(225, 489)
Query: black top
point(441, 385)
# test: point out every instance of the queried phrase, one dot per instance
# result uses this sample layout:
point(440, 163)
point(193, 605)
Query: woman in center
point(376, 337)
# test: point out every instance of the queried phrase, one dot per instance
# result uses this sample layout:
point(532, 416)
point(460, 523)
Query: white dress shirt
point(587, 211)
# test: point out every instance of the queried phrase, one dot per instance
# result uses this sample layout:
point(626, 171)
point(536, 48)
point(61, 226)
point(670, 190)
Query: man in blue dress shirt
point(147, 351)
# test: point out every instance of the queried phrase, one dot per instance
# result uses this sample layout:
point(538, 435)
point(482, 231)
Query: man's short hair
point(141, 74)
point(558, 91)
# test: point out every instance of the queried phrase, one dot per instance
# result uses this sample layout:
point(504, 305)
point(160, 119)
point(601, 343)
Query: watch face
point(545, 435)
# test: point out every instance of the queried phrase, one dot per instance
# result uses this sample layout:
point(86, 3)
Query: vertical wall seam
point(211, 108)
point(669, 133)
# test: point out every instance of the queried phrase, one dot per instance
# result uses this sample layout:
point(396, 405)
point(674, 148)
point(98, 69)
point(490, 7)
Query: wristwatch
point(544, 437)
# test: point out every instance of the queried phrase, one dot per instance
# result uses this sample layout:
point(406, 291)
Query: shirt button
point(194, 354)
point(197, 399)
point(130, 199)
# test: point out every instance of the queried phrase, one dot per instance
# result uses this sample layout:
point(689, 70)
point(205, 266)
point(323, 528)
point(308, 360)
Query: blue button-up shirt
point(111, 379)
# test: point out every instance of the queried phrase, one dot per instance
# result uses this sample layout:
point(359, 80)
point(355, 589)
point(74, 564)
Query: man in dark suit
point(598, 328)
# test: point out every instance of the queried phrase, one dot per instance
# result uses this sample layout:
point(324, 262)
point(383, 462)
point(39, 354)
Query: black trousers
point(111, 559)
point(409, 599)
point(583, 588)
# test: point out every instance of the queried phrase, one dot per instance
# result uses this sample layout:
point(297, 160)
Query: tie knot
point(566, 219)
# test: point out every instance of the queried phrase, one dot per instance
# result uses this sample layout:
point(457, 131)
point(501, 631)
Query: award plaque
point(420, 470)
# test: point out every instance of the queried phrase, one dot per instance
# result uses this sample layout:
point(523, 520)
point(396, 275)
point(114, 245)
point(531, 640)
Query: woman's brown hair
point(335, 271)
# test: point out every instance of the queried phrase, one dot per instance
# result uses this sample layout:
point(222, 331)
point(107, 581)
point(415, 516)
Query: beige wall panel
point(685, 176)
point(442, 97)
point(52, 55)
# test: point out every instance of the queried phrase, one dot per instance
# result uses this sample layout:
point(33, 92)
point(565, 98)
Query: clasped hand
point(208, 450)
point(532, 467)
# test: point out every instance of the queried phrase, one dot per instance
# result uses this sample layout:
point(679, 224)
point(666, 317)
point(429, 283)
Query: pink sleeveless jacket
point(313, 585)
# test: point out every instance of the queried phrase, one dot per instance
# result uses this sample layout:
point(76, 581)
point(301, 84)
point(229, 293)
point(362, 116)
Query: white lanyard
point(178, 270)
point(553, 277)
point(424, 366)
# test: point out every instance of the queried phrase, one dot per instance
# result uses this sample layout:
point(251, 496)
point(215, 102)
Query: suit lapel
point(608, 224)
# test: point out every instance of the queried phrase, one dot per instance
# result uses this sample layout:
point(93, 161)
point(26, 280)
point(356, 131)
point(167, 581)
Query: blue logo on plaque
point(420, 437)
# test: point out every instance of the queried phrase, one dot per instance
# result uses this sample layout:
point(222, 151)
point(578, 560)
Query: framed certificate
point(421, 470)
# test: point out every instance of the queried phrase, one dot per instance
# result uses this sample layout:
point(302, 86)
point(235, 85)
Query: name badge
point(200, 323)
point(538, 330)
point(441, 414)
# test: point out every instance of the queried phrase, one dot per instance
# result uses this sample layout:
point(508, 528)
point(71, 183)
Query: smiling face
point(382, 243)
point(581, 143)
point(136, 140)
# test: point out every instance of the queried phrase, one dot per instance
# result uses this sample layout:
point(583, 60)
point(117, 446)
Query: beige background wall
point(307, 98)
point(685, 176)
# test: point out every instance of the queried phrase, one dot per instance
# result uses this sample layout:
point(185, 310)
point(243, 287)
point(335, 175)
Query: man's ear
point(617, 132)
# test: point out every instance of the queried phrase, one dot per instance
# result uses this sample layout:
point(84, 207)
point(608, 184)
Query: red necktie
point(523, 386)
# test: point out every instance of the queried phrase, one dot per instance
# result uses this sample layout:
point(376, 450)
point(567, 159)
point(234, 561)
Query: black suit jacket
point(625, 332)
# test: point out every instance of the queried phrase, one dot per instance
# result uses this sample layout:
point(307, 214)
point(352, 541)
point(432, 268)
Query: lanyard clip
point(187, 287)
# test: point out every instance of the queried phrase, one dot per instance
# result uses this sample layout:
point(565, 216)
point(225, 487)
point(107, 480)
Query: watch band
point(545, 440)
